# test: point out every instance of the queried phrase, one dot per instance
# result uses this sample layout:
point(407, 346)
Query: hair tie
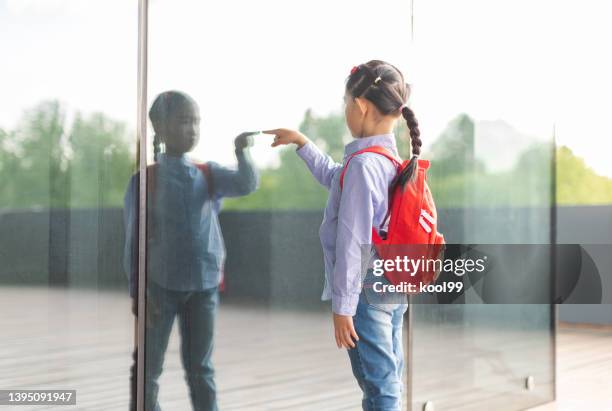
point(377, 80)
point(354, 70)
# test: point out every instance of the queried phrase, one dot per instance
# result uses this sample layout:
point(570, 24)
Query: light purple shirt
point(348, 218)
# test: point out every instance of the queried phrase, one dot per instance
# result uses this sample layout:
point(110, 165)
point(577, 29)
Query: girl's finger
point(354, 334)
point(337, 339)
point(273, 131)
point(343, 339)
point(349, 341)
point(342, 343)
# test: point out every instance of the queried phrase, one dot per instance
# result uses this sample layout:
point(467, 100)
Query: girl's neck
point(174, 154)
point(376, 129)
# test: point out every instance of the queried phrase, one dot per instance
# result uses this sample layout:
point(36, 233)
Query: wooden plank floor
point(265, 360)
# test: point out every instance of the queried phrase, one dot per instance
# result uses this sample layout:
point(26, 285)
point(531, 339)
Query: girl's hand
point(244, 140)
point(283, 136)
point(345, 331)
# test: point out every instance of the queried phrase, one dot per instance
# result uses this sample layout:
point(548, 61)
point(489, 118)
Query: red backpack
point(412, 230)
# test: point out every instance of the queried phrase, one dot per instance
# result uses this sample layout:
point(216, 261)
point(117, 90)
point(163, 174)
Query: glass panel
point(249, 66)
point(67, 148)
point(488, 112)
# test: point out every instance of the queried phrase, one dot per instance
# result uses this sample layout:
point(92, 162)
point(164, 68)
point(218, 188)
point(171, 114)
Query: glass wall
point(487, 103)
point(249, 66)
point(67, 146)
point(233, 285)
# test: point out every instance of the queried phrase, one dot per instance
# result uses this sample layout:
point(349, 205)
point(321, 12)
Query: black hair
point(164, 105)
point(383, 84)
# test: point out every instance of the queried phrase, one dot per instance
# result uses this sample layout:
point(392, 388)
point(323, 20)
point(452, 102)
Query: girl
point(185, 246)
point(375, 98)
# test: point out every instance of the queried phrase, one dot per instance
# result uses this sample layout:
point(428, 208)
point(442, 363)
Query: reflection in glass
point(66, 149)
point(186, 253)
point(491, 174)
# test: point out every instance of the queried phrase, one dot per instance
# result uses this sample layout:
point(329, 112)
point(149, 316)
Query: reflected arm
point(230, 182)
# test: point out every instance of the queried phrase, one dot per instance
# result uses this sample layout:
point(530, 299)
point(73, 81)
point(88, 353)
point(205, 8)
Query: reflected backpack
point(412, 229)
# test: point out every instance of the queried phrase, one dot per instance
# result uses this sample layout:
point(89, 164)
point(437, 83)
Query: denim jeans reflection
point(196, 312)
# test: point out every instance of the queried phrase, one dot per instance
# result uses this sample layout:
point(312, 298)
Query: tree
point(577, 183)
point(44, 165)
point(39, 177)
point(101, 162)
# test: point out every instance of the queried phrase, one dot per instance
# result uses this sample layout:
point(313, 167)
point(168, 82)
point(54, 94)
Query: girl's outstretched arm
point(320, 164)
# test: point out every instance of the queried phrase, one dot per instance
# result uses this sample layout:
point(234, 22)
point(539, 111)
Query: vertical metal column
point(553, 263)
point(141, 131)
point(409, 316)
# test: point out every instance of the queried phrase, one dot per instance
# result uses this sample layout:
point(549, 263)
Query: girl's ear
point(362, 105)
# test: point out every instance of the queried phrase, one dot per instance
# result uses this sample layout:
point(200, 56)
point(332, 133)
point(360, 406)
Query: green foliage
point(101, 163)
point(452, 152)
point(579, 184)
point(33, 165)
point(45, 163)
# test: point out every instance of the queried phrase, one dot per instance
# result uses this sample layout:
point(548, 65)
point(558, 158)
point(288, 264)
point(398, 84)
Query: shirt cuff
point(345, 304)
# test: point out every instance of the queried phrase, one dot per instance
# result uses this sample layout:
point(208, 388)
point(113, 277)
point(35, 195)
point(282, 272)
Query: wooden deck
point(265, 360)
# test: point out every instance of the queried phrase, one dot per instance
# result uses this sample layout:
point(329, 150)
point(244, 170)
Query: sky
point(539, 65)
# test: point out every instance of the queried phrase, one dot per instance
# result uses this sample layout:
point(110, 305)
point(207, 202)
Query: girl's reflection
point(185, 251)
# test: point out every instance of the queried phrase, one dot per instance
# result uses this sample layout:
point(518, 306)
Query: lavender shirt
point(348, 218)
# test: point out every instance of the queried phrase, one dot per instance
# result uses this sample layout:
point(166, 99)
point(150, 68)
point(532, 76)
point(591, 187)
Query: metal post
point(141, 130)
point(553, 269)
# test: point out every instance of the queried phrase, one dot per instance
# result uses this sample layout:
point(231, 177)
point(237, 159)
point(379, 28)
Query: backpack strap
point(376, 238)
point(373, 149)
point(205, 169)
point(423, 164)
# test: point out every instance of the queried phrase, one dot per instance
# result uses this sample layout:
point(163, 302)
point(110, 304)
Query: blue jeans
point(196, 311)
point(378, 359)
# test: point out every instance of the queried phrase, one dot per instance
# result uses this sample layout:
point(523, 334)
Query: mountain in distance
point(499, 145)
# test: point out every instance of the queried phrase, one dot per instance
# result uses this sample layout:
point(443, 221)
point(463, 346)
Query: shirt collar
point(385, 140)
point(164, 158)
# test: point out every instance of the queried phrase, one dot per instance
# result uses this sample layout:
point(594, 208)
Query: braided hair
point(383, 84)
point(164, 105)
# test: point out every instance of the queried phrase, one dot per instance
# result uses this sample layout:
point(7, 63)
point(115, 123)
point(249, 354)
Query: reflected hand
point(244, 140)
point(345, 331)
point(283, 136)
